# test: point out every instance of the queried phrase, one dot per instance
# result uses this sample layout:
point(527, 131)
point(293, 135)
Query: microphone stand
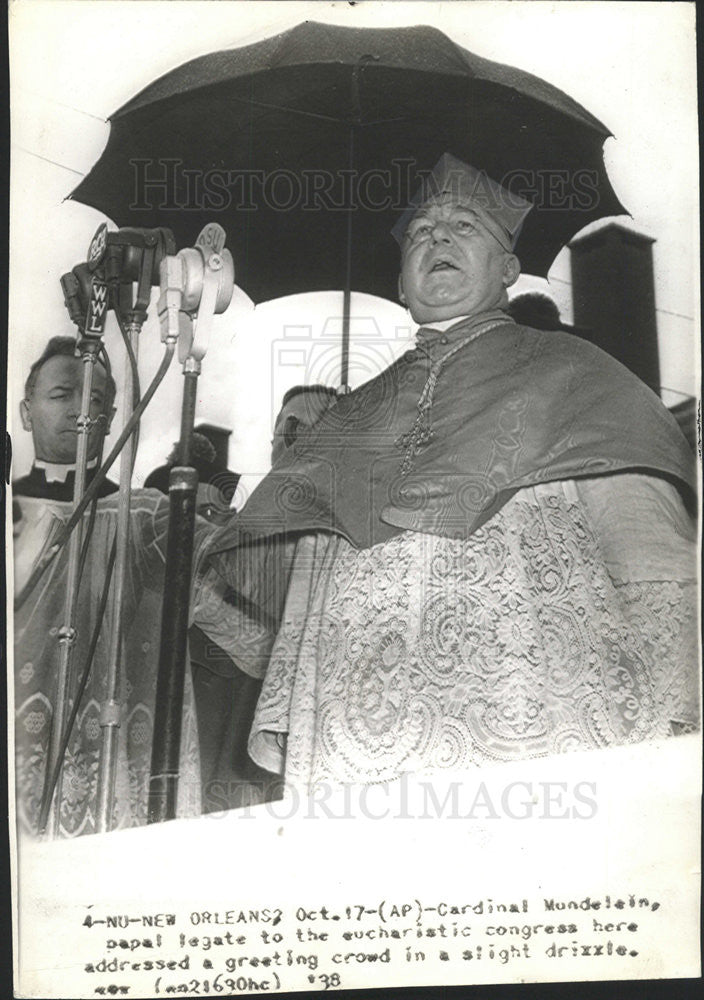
point(207, 267)
point(119, 251)
point(201, 280)
point(168, 712)
point(89, 347)
point(115, 260)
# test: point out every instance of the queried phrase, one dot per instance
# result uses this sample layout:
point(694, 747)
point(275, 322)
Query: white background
point(74, 63)
point(641, 838)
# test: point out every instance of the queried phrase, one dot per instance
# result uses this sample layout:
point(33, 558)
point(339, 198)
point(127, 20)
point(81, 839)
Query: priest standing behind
point(42, 504)
point(486, 553)
point(51, 404)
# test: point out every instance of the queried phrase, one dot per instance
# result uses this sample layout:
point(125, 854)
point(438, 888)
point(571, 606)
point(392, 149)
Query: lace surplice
point(554, 627)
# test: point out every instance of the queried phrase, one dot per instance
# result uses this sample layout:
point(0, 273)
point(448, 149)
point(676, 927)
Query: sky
point(73, 63)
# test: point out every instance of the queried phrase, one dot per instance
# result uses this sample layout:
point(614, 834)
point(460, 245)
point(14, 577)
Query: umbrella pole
point(347, 293)
point(345, 362)
point(346, 310)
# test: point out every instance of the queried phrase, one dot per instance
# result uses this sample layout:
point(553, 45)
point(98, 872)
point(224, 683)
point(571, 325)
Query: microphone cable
point(136, 392)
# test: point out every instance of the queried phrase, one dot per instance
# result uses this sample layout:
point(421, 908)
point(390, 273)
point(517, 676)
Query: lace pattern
point(426, 652)
point(36, 657)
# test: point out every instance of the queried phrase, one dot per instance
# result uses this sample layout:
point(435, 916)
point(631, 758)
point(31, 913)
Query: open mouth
point(443, 265)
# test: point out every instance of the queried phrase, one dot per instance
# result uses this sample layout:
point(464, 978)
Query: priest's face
point(51, 411)
point(451, 264)
point(211, 504)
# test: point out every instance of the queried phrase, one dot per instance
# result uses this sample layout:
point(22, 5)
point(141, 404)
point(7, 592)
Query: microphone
point(75, 299)
point(86, 298)
point(116, 258)
point(196, 284)
point(127, 250)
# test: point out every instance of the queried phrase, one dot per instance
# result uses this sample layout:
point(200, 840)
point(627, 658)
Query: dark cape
point(513, 408)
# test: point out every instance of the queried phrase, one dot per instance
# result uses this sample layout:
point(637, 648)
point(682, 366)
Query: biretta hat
point(501, 211)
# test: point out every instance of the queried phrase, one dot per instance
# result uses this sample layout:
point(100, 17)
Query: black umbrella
point(306, 147)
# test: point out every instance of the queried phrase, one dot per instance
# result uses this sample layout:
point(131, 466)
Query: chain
point(421, 433)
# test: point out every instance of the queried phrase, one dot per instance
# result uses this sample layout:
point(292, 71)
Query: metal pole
point(191, 371)
point(166, 744)
point(67, 632)
point(347, 293)
point(346, 309)
point(110, 709)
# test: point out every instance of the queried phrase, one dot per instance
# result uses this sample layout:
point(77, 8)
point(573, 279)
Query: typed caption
point(318, 947)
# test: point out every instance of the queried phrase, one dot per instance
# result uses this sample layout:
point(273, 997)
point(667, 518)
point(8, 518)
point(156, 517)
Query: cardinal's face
point(451, 264)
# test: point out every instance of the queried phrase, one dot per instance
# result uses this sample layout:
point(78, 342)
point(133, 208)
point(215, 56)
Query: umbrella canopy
point(307, 146)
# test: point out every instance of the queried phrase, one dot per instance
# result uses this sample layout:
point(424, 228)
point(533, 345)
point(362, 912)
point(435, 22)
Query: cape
point(511, 408)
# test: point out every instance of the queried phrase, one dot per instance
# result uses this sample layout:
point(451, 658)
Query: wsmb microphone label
point(98, 245)
point(97, 309)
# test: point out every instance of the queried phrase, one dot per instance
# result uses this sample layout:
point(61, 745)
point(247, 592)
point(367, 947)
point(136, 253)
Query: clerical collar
point(445, 324)
point(448, 331)
point(55, 472)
